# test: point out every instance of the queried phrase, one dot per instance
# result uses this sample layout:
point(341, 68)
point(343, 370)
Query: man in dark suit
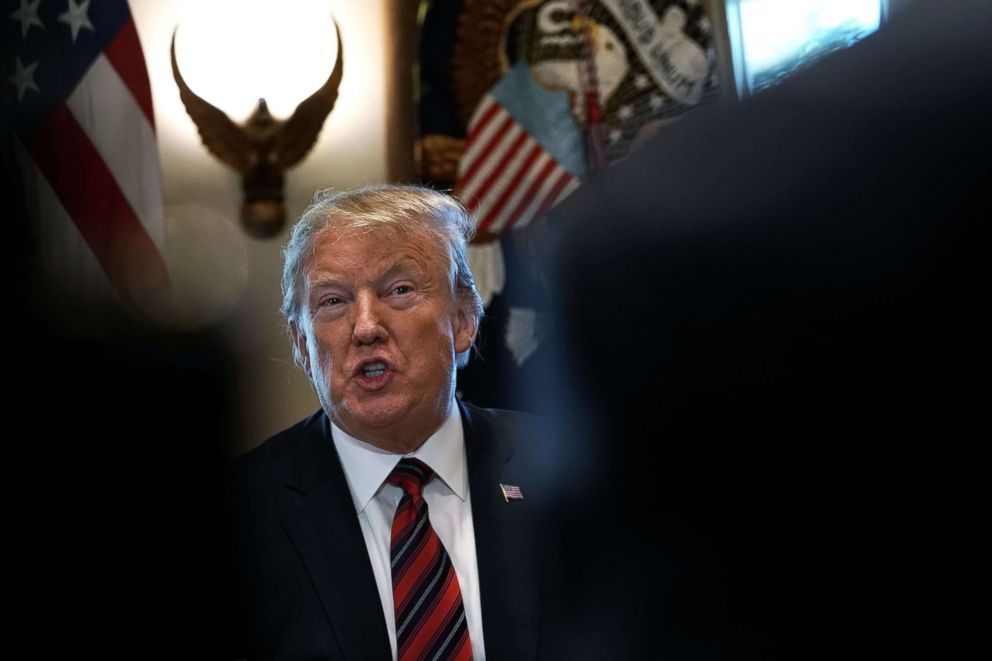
point(390, 524)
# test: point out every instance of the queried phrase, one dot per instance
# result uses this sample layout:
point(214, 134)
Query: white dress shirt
point(449, 505)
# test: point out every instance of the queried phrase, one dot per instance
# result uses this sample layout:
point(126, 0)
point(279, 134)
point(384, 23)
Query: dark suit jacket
point(309, 583)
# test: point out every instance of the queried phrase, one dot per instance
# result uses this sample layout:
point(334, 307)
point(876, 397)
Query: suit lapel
point(318, 513)
point(504, 541)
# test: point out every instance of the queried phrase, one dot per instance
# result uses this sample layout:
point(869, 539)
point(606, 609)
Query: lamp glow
point(234, 52)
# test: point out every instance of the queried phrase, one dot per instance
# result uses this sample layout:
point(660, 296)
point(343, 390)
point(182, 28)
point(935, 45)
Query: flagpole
point(595, 152)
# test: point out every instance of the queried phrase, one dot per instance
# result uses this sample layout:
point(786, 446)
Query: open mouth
point(373, 375)
point(372, 370)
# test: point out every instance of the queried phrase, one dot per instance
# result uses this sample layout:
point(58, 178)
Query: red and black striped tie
point(430, 617)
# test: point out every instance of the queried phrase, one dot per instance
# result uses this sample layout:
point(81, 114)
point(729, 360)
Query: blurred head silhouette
point(771, 326)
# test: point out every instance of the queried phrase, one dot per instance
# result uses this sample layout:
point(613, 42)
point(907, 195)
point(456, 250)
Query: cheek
point(322, 354)
point(441, 339)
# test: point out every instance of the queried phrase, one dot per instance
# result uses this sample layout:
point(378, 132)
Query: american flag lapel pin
point(511, 492)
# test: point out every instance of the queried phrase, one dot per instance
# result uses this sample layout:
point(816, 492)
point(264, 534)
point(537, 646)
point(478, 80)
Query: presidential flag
point(78, 100)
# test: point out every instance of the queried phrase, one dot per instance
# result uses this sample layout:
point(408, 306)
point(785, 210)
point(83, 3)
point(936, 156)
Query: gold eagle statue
point(262, 147)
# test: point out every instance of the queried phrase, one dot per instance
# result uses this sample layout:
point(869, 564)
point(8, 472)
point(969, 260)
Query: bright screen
point(780, 36)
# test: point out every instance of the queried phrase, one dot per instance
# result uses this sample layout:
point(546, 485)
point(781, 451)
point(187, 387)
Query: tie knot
point(411, 475)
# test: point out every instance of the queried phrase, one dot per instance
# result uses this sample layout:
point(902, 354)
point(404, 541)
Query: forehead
point(363, 252)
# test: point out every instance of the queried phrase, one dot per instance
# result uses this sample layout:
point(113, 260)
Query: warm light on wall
point(233, 52)
point(261, 148)
point(354, 133)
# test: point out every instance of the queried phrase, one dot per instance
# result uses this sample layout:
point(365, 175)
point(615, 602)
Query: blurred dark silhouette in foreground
point(118, 494)
point(772, 328)
point(115, 434)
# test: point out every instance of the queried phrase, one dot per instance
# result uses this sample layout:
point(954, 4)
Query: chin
point(375, 416)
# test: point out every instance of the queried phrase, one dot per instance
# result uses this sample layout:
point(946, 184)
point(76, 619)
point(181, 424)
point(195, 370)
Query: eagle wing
point(221, 136)
point(297, 136)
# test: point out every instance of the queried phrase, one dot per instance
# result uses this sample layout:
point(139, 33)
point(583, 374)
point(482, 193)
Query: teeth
point(374, 369)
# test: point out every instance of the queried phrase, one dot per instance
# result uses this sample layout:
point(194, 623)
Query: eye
point(402, 289)
point(330, 300)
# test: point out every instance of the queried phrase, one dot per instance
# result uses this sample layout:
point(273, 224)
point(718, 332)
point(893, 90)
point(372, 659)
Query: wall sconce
point(262, 147)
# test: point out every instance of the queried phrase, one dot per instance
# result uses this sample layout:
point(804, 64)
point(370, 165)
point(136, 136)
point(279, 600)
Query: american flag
point(79, 102)
point(511, 492)
point(523, 153)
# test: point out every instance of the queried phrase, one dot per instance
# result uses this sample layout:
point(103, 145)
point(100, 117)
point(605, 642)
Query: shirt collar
point(366, 467)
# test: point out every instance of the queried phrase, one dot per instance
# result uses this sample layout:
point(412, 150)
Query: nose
point(367, 326)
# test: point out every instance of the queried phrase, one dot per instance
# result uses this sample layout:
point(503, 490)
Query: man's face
point(378, 334)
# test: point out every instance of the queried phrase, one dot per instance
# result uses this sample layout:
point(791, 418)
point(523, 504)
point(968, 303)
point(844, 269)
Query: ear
point(301, 356)
point(466, 326)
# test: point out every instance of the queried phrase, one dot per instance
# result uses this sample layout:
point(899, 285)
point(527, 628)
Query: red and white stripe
point(506, 178)
point(97, 188)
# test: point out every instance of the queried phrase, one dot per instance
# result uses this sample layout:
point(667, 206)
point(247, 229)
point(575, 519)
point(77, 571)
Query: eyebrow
point(325, 281)
point(401, 266)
